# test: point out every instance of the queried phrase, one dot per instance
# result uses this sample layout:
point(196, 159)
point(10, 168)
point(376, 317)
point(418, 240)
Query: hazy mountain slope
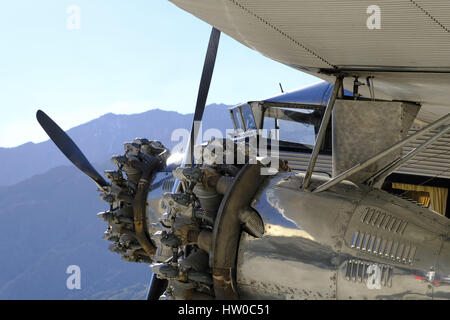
point(99, 139)
point(49, 222)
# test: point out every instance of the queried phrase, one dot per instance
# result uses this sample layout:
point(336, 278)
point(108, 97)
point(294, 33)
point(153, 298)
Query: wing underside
point(408, 56)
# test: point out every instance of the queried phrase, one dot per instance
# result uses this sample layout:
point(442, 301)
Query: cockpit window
point(237, 119)
point(248, 117)
point(296, 126)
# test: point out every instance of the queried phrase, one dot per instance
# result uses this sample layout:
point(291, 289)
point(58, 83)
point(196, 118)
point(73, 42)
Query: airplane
point(276, 214)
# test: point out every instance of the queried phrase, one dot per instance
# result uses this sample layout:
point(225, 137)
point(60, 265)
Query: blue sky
point(127, 57)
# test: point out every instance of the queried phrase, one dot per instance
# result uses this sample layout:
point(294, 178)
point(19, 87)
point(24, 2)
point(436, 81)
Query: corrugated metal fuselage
point(434, 161)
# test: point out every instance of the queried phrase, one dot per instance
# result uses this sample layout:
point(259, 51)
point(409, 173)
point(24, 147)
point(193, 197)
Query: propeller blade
point(156, 288)
point(208, 68)
point(69, 148)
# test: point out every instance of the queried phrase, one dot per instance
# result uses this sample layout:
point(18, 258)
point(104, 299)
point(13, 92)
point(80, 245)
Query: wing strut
point(368, 162)
point(377, 179)
point(322, 132)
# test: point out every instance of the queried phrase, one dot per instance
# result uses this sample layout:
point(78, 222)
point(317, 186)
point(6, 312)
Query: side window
point(296, 132)
point(247, 114)
point(292, 124)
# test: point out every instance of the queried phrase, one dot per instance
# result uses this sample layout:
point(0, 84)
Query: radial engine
point(226, 231)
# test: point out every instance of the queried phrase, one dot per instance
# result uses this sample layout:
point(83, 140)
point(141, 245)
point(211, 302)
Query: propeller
point(69, 148)
point(157, 286)
point(205, 81)
point(74, 154)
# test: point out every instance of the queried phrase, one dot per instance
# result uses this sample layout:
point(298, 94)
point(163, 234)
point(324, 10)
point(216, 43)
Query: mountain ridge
point(102, 137)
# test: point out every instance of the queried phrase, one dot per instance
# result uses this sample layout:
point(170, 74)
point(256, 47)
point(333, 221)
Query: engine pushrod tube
point(322, 131)
point(365, 164)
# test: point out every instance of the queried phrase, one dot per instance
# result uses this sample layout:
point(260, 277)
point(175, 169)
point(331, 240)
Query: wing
point(408, 56)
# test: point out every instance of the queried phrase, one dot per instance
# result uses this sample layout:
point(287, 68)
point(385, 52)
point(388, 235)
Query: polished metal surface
point(350, 242)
